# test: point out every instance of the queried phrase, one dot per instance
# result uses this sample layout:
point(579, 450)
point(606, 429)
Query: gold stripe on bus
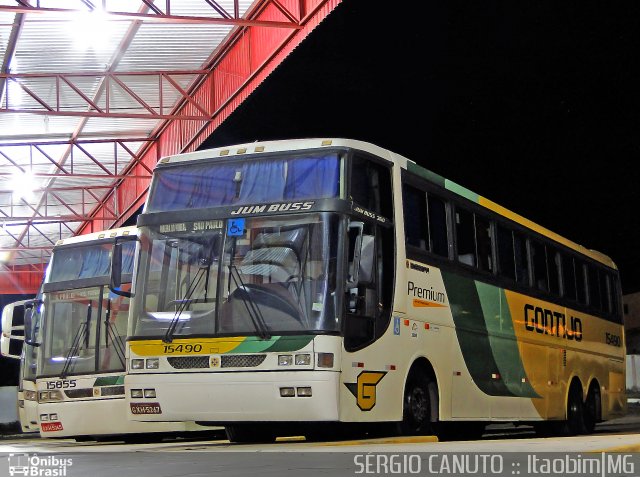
point(417, 303)
point(597, 256)
point(186, 346)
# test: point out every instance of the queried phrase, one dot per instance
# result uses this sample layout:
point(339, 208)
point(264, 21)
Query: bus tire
point(574, 424)
point(592, 408)
point(249, 433)
point(420, 400)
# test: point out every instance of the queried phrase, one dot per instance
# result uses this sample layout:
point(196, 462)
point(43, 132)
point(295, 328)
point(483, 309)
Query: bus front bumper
point(235, 397)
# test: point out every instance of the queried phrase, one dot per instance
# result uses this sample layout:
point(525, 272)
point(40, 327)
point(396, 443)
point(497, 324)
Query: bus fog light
point(44, 417)
point(136, 393)
point(153, 363)
point(150, 393)
point(137, 364)
point(304, 392)
point(287, 392)
point(53, 417)
point(325, 360)
point(285, 360)
point(303, 359)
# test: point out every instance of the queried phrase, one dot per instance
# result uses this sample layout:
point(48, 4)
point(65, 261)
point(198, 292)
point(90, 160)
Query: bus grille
point(189, 362)
point(112, 391)
point(241, 360)
point(79, 393)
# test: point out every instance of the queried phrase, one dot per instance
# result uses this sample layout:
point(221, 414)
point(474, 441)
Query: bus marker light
point(495, 376)
point(325, 360)
point(287, 392)
point(457, 373)
point(150, 393)
point(426, 326)
point(356, 364)
point(285, 360)
point(406, 322)
point(136, 393)
point(153, 363)
point(390, 367)
point(304, 392)
point(137, 364)
point(303, 359)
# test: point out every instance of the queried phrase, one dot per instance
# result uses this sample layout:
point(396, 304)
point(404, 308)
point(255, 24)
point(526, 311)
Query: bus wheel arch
point(592, 406)
point(420, 402)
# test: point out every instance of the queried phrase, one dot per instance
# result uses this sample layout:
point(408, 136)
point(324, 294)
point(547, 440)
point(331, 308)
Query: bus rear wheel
point(574, 424)
point(420, 395)
point(592, 409)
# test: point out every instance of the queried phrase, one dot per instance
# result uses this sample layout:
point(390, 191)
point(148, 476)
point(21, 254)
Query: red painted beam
point(254, 54)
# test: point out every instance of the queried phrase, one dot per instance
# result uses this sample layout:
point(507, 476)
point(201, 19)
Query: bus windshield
point(270, 275)
point(215, 184)
point(83, 325)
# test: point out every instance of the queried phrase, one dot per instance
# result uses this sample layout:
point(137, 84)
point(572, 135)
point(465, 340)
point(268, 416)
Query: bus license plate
point(51, 426)
point(145, 408)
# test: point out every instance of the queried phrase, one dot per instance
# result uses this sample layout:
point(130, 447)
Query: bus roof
point(106, 234)
point(256, 148)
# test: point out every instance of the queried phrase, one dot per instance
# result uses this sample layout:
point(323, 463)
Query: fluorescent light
point(22, 184)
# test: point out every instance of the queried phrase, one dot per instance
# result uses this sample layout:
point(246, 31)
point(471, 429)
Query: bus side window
point(438, 238)
point(593, 283)
point(465, 240)
point(568, 278)
point(553, 266)
point(483, 244)
point(539, 265)
point(522, 263)
point(506, 256)
point(581, 285)
point(416, 222)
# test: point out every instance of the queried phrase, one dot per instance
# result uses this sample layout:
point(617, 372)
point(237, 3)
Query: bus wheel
point(575, 412)
point(250, 433)
point(592, 409)
point(419, 394)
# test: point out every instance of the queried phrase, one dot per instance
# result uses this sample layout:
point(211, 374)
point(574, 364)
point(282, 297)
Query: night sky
point(535, 105)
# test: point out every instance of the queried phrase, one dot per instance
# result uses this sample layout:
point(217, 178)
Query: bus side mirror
point(367, 258)
point(355, 248)
point(115, 282)
point(29, 322)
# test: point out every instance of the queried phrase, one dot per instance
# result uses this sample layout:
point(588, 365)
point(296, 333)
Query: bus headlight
point(48, 396)
point(285, 360)
point(136, 393)
point(304, 392)
point(31, 395)
point(153, 363)
point(287, 392)
point(44, 417)
point(150, 393)
point(137, 364)
point(303, 359)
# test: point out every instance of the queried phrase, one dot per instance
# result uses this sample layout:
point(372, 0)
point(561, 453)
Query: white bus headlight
point(153, 363)
point(31, 395)
point(53, 417)
point(44, 417)
point(287, 392)
point(43, 396)
point(285, 360)
point(137, 364)
point(303, 359)
point(304, 392)
point(55, 396)
point(150, 393)
point(136, 393)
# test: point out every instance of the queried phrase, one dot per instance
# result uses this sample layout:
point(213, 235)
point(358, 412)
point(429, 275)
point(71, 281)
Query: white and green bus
point(80, 346)
point(291, 283)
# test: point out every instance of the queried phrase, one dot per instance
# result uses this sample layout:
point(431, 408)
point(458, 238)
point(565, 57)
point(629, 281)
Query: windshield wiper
point(252, 309)
point(81, 333)
point(184, 302)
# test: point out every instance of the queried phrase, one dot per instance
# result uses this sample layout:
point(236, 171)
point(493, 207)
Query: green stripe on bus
point(425, 174)
point(291, 343)
point(502, 338)
point(109, 380)
point(471, 330)
point(254, 344)
point(464, 192)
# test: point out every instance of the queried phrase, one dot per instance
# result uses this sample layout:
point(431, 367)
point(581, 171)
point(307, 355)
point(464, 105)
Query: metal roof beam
point(158, 16)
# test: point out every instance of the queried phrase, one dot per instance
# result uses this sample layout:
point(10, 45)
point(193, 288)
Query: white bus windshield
point(83, 325)
point(277, 275)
